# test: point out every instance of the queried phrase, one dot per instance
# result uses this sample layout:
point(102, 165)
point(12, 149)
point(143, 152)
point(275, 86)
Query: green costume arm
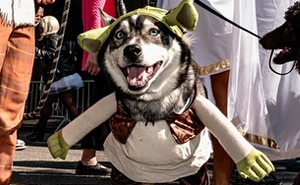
point(251, 163)
point(60, 142)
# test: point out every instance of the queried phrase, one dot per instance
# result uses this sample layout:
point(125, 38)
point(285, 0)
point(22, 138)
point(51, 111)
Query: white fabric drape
point(259, 101)
point(212, 37)
point(246, 105)
point(281, 92)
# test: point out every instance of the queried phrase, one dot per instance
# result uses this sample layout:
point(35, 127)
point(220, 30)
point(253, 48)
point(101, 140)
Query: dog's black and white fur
point(151, 67)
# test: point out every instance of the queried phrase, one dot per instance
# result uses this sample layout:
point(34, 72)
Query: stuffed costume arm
point(60, 142)
point(251, 163)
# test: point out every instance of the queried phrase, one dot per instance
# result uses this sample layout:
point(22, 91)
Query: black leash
point(282, 74)
point(203, 5)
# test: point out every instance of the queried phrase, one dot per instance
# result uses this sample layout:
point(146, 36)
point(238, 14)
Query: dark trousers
point(199, 178)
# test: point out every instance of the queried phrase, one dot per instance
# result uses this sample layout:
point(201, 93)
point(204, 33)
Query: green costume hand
point(255, 166)
point(57, 145)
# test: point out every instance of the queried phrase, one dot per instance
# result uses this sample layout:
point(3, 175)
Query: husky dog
point(286, 37)
point(151, 66)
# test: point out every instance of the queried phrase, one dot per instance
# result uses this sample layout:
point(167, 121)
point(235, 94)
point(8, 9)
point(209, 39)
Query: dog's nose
point(132, 51)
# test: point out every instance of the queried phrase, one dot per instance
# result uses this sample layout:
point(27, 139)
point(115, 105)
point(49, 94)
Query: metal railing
point(82, 97)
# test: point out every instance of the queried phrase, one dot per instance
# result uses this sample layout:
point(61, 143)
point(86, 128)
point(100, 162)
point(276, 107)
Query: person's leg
point(222, 163)
point(297, 179)
point(45, 113)
point(16, 61)
point(199, 178)
point(88, 155)
point(67, 99)
point(91, 142)
point(94, 140)
point(118, 178)
point(88, 164)
point(7, 154)
point(39, 130)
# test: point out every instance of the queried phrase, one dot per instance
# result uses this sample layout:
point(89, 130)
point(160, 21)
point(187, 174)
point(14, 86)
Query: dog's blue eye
point(153, 32)
point(120, 35)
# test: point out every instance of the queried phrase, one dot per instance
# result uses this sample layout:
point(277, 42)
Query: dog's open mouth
point(139, 76)
point(285, 55)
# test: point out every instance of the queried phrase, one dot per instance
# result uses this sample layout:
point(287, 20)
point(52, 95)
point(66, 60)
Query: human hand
point(45, 1)
point(255, 166)
point(57, 145)
point(39, 14)
point(92, 64)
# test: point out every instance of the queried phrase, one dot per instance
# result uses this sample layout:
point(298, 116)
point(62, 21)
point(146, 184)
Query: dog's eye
point(153, 32)
point(120, 35)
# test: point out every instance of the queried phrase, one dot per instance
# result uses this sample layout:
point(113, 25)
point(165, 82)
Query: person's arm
point(39, 14)
point(60, 142)
point(250, 162)
point(91, 20)
point(92, 65)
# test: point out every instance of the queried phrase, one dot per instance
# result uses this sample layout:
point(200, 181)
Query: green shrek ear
point(185, 15)
point(92, 40)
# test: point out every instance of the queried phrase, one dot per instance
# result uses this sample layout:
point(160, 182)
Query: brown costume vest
point(184, 127)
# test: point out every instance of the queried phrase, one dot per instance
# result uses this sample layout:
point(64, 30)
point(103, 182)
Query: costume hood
point(184, 15)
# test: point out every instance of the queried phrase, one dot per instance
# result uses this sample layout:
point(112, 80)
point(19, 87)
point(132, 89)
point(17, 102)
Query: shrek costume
point(150, 153)
point(185, 15)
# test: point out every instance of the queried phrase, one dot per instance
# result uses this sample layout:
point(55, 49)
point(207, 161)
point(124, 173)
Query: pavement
point(35, 165)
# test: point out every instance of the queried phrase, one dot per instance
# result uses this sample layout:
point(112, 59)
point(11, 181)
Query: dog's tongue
point(137, 76)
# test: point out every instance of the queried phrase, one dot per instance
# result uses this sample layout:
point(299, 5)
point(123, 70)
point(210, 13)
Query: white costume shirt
point(151, 153)
point(142, 163)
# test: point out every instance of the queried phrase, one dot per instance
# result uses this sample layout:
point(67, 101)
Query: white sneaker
point(20, 145)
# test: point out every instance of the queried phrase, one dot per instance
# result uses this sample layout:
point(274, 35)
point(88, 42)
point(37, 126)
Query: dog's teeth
point(140, 83)
point(127, 70)
point(149, 70)
point(131, 81)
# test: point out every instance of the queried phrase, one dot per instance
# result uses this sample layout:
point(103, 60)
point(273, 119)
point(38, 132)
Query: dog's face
point(286, 37)
point(142, 56)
